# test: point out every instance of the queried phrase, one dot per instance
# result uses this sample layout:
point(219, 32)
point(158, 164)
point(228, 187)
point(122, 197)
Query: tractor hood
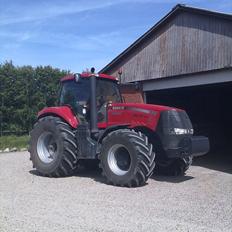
point(136, 114)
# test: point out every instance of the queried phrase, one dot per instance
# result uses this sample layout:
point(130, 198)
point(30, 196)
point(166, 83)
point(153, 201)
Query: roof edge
point(226, 68)
point(175, 9)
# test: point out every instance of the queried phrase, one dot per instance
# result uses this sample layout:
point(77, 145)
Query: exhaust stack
point(93, 103)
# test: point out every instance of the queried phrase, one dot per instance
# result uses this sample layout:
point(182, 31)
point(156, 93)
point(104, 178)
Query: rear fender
point(63, 112)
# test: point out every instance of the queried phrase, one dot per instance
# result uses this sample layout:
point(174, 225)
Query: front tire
point(173, 167)
point(52, 147)
point(126, 158)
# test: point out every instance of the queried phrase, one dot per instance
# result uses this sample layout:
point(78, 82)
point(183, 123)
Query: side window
point(106, 91)
point(101, 101)
point(100, 94)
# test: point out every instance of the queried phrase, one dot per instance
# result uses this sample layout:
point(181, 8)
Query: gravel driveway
point(200, 201)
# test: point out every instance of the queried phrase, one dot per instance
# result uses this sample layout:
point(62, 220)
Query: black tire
point(126, 158)
point(52, 147)
point(173, 167)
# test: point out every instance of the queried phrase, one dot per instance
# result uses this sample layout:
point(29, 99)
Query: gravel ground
point(200, 201)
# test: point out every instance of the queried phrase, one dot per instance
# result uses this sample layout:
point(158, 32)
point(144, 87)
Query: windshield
point(77, 94)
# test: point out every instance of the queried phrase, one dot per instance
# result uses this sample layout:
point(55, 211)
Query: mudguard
point(63, 112)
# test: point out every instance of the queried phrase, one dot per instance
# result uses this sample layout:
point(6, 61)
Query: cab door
point(106, 91)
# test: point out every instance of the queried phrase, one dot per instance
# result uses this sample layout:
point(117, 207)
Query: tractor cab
point(76, 93)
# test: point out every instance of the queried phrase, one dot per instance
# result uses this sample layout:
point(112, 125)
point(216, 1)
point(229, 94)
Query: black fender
point(109, 129)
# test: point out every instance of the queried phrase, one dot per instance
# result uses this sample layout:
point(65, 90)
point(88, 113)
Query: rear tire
point(173, 167)
point(53, 148)
point(126, 158)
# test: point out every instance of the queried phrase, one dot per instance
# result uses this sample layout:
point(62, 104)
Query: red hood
point(135, 114)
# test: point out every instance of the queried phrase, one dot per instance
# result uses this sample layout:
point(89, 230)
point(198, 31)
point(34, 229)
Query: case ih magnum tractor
point(128, 139)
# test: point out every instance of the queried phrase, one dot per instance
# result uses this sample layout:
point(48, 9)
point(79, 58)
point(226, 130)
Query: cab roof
point(87, 75)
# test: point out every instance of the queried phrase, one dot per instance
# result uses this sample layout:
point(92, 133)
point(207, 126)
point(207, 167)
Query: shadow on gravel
point(34, 172)
point(81, 172)
point(96, 175)
point(171, 179)
point(220, 161)
point(93, 173)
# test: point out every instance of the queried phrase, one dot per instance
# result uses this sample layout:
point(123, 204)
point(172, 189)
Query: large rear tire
point(173, 167)
point(53, 149)
point(126, 158)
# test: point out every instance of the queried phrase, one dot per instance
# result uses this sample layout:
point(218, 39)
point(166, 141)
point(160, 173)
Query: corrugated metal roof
point(178, 8)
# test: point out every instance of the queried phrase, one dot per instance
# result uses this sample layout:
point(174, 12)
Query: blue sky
point(75, 35)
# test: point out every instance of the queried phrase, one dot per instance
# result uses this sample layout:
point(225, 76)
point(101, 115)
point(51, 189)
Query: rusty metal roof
point(177, 9)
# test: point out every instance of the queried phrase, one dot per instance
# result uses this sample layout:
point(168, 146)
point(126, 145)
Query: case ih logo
point(118, 107)
point(134, 109)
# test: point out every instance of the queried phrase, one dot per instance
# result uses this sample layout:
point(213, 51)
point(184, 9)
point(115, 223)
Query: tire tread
point(69, 159)
point(146, 157)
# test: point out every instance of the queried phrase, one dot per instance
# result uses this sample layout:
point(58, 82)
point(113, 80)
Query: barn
point(185, 60)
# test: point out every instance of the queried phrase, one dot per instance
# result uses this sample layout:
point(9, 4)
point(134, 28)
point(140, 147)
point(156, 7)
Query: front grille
point(168, 121)
point(174, 119)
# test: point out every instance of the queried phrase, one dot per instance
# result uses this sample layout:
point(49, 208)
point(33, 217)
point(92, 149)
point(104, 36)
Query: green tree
point(23, 92)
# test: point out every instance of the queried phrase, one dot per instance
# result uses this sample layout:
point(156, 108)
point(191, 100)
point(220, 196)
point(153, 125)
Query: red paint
point(135, 114)
point(87, 75)
point(63, 112)
point(67, 78)
point(107, 77)
point(102, 125)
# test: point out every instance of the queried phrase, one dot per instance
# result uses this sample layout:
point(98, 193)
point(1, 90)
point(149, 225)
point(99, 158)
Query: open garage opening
point(209, 108)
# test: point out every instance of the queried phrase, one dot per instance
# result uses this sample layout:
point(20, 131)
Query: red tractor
point(130, 140)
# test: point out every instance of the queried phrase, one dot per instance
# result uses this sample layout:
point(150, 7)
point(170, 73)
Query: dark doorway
point(209, 108)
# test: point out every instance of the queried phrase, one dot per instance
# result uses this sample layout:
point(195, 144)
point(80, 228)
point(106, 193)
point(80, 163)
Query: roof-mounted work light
point(77, 76)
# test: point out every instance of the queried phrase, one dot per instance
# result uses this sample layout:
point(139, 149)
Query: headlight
point(180, 131)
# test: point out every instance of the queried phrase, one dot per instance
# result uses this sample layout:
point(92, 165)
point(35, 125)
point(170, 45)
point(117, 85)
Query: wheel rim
point(119, 159)
point(46, 147)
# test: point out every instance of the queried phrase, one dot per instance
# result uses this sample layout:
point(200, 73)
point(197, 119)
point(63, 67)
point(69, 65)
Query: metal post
point(120, 75)
point(93, 103)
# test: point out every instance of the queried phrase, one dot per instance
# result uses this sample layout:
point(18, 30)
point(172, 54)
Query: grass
point(14, 141)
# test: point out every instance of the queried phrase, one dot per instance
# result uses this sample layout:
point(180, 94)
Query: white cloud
point(84, 43)
point(41, 10)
